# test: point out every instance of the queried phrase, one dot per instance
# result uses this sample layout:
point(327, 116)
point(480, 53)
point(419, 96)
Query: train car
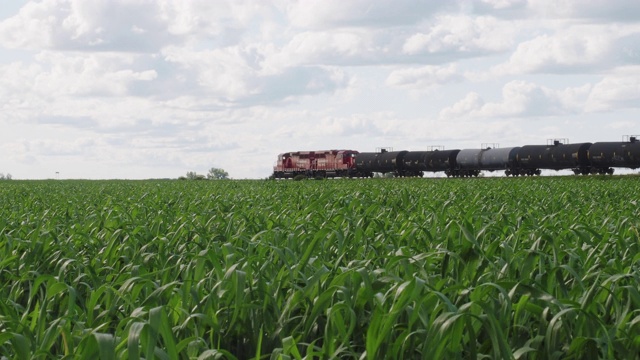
point(443, 160)
point(500, 159)
point(468, 162)
point(366, 163)
point(380, 162)
point(323, 163)
point(531, 159)
point(472, 161)
point(418, 162)
point(604, 156)
point(414, 163)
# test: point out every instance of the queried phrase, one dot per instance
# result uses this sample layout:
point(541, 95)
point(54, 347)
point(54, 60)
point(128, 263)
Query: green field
point(524, 268)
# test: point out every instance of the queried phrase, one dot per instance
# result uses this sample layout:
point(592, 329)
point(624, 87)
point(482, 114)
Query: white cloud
point(142, 88)
point(324, 48)
point(356, 125)
point(440, 39)
point(461, 34)
point(573, 52)
point(520, 99)
point(424, 76)
point(37, 150)
point(619, 10)
point(232, 76)
point(101, 25)
point(620, 90)
point(578, 49)
point(53, 75)
point(471, 104)
point(504, 4)
point(381, 13)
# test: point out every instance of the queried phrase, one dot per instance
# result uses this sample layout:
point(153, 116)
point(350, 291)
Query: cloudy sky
point(155, 88)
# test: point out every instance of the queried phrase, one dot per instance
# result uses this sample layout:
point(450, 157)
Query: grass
point(526, 268)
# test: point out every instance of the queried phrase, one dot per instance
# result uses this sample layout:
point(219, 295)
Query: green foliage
point(217, 174)
point(525, 268)
point(192, 175)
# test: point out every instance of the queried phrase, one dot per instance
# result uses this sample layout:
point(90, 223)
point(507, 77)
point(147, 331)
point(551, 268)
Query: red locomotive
point(323, 163)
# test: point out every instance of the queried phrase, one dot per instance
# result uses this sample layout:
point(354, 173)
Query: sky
point(137, 89)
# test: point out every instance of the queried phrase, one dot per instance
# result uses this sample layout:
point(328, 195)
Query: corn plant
point(523, 268)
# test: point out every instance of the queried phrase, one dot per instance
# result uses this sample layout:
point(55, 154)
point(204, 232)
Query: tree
point(217, 174)
point(5, 177)
point(191, 175)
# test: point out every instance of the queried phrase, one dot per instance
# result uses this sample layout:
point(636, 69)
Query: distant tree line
point(213, 174)
point(5, 177)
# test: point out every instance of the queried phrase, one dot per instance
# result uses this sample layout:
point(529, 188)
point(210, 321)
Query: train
point(528, 160)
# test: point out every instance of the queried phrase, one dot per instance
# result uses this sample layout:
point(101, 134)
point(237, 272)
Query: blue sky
point(155, 88)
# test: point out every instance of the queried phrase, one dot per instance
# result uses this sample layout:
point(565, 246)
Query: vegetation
point(5, 177)
point(520, 268)
point(217, 174)
point(213, 174)
point(192, 175)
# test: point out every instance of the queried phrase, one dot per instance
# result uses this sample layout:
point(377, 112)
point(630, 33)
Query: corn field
point(494, 268)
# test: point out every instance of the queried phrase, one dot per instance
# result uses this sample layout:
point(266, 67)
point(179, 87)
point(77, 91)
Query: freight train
point(581, 158)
